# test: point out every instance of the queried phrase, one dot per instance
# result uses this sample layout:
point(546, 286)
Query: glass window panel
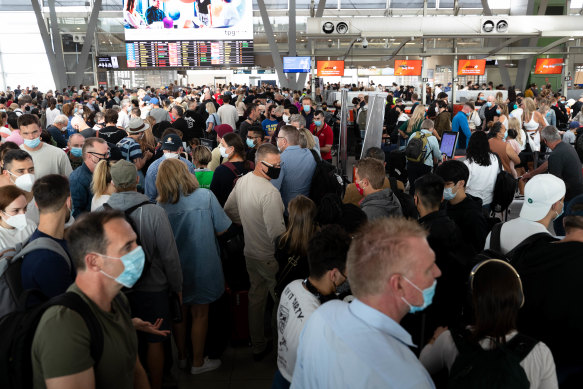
point(363, 4)
point(71, 62)
point(88, 79)
point(406, 3)
point(16, 5)
point(478, 4)
point(271, 4)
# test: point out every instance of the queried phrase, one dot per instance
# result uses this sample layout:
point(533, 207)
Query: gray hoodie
point(157, 240)
point(381, 204)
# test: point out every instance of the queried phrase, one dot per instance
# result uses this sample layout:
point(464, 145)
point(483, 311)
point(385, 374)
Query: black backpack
point(397, 165)
point(579, 145)
point(128, 212)
point(407, 204)
point(504, 189)
point(325, 180)
point(498, 368)
point(18, 329)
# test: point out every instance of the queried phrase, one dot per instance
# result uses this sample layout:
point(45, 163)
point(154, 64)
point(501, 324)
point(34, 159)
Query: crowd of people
point(180, 196)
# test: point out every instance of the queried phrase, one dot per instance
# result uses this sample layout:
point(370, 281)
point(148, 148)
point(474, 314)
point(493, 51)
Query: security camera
point(364, 43)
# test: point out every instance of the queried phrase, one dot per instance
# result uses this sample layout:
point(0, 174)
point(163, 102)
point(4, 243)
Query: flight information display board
point(189, 53)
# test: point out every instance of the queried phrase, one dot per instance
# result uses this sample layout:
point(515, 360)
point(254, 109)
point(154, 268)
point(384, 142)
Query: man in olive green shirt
point(103, 247)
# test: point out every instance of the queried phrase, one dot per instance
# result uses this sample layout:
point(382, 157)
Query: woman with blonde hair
point(533, 123)
point(291, 247)
point(213, 119)
point(101, 184)
point(502, 112)
point(413, 124)
point(197, 219)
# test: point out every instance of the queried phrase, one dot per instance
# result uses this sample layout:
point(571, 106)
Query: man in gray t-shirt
point(160, 114)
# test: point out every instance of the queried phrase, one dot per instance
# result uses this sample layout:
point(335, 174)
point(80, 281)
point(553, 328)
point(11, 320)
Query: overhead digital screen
point(188, 20)
point(330, 68)
point(549, 66)
point(189, 53)
point(408, 67)
point(471, 67)
point(296, 64)
point(107, 62)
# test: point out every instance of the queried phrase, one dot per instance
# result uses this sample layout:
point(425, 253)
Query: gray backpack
point(11, 289)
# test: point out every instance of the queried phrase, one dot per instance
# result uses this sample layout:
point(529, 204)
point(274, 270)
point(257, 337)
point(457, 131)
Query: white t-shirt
point(10, 237)
point(514, 232)
point(52, 115)
point(97, 202)
point(569, 137)
point(517, 113)
point(123, 120)
point(295, 307)
point(482, 179)
point(538, 365)
point(49, 160)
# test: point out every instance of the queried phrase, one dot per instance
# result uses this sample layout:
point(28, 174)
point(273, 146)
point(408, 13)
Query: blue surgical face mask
point(307, 108)
point(448, 193)
point(32, 143)
point(489, 104)
point(505, 136)
point(559, 214)
point(515, 106)
point(482, 98)
point(427, 296)
point(498, 112)
point(76, 151)
point(250, 143)
point(133, 263)
point(318, 123)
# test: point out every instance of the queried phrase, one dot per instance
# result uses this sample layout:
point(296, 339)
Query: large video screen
point(296, 64)
point(549, 66)
point(143, 54)
point(173, 20)
point(471, 67)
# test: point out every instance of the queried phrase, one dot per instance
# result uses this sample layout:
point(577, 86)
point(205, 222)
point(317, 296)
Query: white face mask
point(24, 182)
point(170, 155)
point(16, 221)
point(223, 151)
point(285, 118)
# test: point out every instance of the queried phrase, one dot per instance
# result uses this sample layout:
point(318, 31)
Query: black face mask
point(272, 172)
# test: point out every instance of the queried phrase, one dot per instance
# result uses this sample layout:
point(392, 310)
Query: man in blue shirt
point(297, 166)
point(171, 147)
point(44, 269)
point(392, 271)
point(460, 124)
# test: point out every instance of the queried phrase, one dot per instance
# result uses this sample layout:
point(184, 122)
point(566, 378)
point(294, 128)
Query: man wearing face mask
point(171, 148)
point(378, 202)
point(327, 261)
point(544, 199)
point(75, 150)
point(392, 272)
point(44, 269)
point(56, 130)
point(298, 166)
point(255, 138)
point(104, 250)
point(460, 124)
point(48, 159)
point(307, 110)
point(93, 151)
point(285, 120)
point(464, 209)
point(324, 133)
point(256, 204)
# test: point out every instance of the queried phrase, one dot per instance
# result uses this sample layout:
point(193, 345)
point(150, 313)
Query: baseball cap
point(574, 124)
point(223, 129)
point(540, 193)
point(123, 173)
point(575, 207)
point(570, 102)
point(154, 100)
point(172, 142)
point(137, 125)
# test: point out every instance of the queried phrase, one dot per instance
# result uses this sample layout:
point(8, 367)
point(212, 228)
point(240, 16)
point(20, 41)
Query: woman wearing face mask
point(443, 118)
point(480, 100)
point(14, 225)
point(233, 151)
point(497, 296)
point(502, 112)
point(196, 219)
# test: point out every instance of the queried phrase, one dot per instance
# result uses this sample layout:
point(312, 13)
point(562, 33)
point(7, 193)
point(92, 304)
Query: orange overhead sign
point(408, 67)
point(549, 66)
point(471, 67)
point(330, 68)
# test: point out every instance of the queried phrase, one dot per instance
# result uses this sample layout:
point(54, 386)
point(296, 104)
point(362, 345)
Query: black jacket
point(470, 219)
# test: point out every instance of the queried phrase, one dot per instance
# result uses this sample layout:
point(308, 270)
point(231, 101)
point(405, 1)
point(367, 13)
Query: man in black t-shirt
point(195, 121)
point(111, 133)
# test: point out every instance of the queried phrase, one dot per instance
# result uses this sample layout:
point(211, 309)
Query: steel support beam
point(552, 45)
point(396, 51)
point(277, 61)
point(82, 62)
point(57, 66)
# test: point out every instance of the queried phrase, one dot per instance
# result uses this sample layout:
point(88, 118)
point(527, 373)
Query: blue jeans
point(279, 382)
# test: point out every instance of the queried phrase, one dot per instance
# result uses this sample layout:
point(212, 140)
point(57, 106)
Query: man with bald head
point(392, 272)
point(75, 150)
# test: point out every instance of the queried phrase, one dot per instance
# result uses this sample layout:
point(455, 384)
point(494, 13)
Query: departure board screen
point(189, 53)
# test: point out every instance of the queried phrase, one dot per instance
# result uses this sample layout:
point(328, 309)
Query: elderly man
point(392, 271)
point(297, 168)
point(56, 130)
point(94, 150)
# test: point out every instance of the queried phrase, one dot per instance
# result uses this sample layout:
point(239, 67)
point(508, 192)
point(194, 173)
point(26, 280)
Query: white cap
point(570, 102)
point(540, 193)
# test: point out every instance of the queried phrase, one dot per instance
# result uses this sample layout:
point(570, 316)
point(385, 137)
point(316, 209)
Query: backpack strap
point(462, 344)
point(75, 302)
point(231, 166)
point(130, 210)
point(495, 238)
point(316, 157)
point(43, 243)
point(521, 345)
